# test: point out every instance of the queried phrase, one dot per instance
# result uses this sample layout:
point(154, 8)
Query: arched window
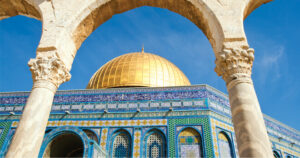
point(276, 154)
point(288, 156)
point(224, 146)
point(121, 144)
point(189, 143)
point(155, 142)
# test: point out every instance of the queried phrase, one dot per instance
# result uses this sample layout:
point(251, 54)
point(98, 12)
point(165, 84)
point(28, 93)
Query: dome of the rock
point(138, 69)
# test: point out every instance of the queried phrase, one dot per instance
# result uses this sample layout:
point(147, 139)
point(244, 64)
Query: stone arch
point(252, 5)
point(98, 12)
point(225, 145)
point(10, 8)
point(155, 139)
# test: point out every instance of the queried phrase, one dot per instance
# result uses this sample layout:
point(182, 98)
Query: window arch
point(288, 156)
point(47, 131)
point(121, 144)
point(190, 143)
point(155, 144)
point(276, 154)
point(224, 146)
point(91, 135)
point(71, 143)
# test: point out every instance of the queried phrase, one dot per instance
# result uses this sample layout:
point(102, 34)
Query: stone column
point(48, 73)
point(235, 66)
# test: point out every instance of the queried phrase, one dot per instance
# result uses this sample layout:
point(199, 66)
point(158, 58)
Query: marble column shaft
point(235, 66)
point(249, 126)
point(30, 132)
point(48, 72)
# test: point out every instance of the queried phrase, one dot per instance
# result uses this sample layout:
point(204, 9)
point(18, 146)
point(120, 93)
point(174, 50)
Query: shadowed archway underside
point(65, 145)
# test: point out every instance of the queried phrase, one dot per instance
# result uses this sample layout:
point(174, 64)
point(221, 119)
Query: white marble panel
point(212, 104)
point(199, 103)
point(176, 103)
point(144, 105)
point(132, 105)
point(112, 106)
point(9, 108)
point(89, 106)
point(154, 104)
point(100, 106)
point(18, 108)
point(65, 107)
point(123, 106)
point(166, 104)
point(56, 107)
point(187, 103)
point(77, 107)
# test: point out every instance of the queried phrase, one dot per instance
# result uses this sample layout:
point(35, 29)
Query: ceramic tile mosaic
point(106, 123)
point(4, 125)
point(189, 143)
point(155, 145)
point(121, 145)
point(119, 95)
point(7, 142)
point(189, 122)
point(140, 109)
point(214, 124)
point(137, 143)
point(275, 128)
point(278, 143)
point(224, 146)
point(285, 151)
point(103, 141)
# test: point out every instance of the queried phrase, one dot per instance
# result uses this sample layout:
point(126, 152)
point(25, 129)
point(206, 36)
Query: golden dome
point(138, 70)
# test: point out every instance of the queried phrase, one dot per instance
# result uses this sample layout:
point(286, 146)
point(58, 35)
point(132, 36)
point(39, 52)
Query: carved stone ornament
point(235, 63)
point(50, 69)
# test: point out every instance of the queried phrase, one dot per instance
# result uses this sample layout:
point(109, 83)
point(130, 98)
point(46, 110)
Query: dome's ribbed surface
point(138, 70)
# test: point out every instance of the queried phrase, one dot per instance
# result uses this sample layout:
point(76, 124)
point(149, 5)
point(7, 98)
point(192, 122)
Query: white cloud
point(268, 64)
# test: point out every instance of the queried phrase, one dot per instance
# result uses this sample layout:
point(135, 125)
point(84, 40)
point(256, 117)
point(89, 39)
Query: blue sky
point(272, 30)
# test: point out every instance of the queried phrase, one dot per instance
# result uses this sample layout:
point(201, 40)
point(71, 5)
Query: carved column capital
point(48, 69)
point(235, 64)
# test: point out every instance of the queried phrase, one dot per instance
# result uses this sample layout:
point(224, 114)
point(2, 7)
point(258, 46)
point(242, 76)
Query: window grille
point(121, 146)
point(155, 146)
point(224, 146)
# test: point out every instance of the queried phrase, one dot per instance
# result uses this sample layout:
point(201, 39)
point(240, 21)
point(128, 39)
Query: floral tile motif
point(215, 123)
point(103, 141)
point(137, 143)
point(96, 123)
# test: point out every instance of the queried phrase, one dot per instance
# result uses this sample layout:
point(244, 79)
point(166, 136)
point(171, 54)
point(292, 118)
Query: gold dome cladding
point(138, 69)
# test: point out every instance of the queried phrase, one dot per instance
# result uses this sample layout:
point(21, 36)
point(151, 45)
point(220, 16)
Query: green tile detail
point(189, 140)
point(4, 125)
point(204, 121)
